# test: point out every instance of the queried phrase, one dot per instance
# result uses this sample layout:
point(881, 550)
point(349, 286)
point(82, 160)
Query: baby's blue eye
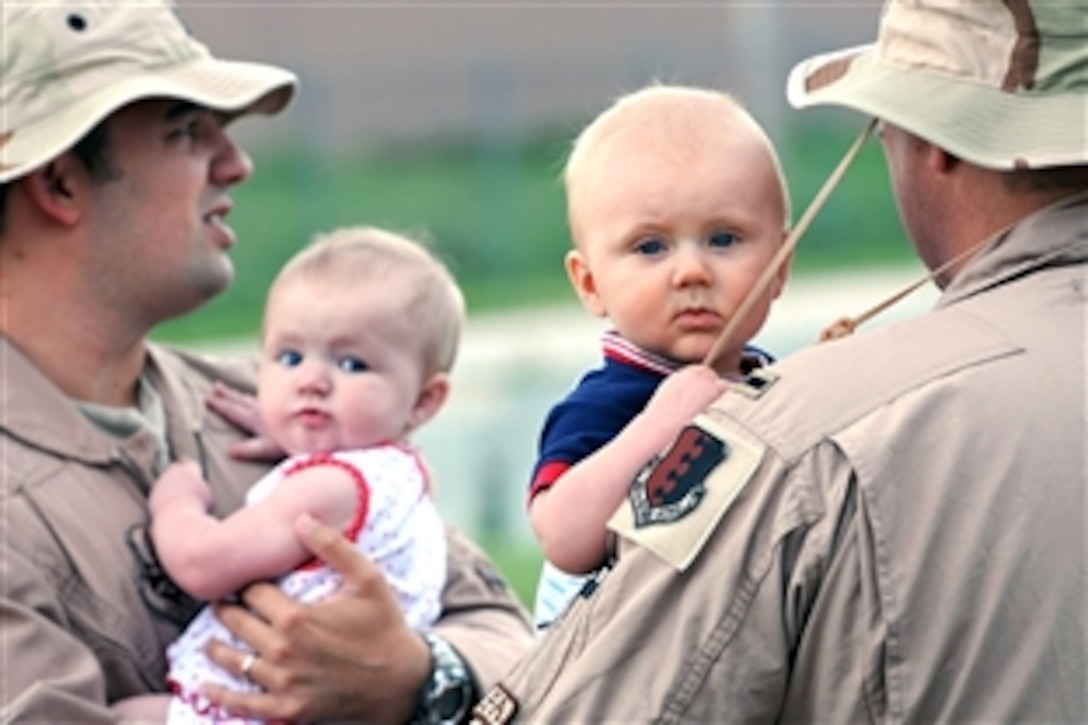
point(289, 358)
point(723, 239)
point(650, 246)
point(353, 365)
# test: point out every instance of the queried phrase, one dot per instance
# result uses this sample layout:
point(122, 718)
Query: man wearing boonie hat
point(888, 527)
point(115, 172)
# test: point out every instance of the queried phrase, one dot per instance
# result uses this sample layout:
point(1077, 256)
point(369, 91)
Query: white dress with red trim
point(396, 525)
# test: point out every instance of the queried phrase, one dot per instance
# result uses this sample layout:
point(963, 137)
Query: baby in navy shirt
point(677, 204)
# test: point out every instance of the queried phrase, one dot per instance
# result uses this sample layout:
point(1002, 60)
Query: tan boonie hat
point(999, 83)
point(65, 65)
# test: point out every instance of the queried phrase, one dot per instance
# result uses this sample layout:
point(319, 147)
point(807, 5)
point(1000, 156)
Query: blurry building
point(372, 70)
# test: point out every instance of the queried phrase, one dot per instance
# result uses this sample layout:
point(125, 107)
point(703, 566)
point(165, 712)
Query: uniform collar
point(1054, 236)
point(35, 411)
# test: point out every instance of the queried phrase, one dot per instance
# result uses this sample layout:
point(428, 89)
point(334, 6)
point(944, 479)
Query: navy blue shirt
point(603, 403)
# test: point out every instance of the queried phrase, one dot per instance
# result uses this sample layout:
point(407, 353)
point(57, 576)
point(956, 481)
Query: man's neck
point(993, 206)
point(81, 360)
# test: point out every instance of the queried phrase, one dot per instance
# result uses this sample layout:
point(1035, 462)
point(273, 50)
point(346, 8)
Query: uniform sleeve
point(481, 616)
point(34, 643)
point(717, 641)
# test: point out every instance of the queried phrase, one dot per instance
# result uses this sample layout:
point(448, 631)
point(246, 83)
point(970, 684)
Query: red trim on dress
point(199, 703)
point(361, 487)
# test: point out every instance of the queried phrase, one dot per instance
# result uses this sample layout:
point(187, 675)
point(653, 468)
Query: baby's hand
point(241, 409)
point(684, 394)
point(181, 481)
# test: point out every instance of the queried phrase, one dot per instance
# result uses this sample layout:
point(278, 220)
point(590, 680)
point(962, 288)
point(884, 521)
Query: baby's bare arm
point(211, 558)
point(569, 517)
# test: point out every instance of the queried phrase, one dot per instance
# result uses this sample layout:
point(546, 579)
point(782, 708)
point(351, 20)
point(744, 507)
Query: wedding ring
point(247, 665)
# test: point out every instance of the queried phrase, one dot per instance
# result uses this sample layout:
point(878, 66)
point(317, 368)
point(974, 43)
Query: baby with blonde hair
point(360, 333)
point(676, 203)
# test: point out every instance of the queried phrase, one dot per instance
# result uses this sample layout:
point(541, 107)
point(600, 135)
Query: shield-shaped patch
point(671, 487)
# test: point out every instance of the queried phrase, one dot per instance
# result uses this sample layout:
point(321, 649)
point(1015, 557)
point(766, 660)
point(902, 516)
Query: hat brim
point(981, 124)
point(232, 87)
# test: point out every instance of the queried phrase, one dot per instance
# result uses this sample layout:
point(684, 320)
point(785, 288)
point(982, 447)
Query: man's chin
point(216, 283)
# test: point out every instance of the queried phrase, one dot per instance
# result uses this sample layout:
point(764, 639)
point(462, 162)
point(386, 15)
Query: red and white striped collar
point(617, 347)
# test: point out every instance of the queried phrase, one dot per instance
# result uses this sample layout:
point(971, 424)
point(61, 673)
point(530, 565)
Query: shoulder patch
point(671, 487)
point(677, 501)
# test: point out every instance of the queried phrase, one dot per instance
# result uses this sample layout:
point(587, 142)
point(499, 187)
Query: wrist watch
point(450, 692)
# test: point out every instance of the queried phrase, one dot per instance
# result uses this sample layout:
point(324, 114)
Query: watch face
point(450, 692)
point(450, 702)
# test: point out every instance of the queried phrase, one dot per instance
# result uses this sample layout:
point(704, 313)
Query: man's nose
point(231, 165)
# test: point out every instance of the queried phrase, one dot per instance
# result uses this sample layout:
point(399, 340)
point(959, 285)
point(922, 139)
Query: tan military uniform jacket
point(78, 622)
point(893, 531)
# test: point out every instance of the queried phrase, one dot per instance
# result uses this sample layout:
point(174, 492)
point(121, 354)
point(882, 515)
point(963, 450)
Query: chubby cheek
point(366, 416)
point(639, 322)
point(739, 280)
point(637, 298)
point(757, 315)
point(366, 427)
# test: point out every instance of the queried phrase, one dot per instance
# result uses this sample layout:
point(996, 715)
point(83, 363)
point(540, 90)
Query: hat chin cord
point(846, 325)
point(784, 252)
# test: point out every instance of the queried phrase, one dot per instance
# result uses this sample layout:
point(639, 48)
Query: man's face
point(160, 243)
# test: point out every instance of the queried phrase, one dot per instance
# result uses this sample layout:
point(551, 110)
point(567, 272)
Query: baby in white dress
point(360, 332)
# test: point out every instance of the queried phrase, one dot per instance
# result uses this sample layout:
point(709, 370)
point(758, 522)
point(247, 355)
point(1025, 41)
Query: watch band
point(450, 692)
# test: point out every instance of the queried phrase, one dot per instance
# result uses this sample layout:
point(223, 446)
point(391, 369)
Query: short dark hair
point(93, 150)
point(1049, 179)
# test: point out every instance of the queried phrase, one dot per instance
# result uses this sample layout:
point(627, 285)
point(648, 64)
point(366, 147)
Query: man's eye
point(723, 239)
point(196, 124)
point(289, 358)
point(190, 129)
point(353, 365)
point(650, 246)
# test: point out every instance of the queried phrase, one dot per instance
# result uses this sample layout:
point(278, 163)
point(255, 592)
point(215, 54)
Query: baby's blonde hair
point(674, 120)
point(364, 254)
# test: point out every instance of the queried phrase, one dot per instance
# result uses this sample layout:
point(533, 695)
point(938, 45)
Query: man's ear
point(939, 160)
point(432, 396)
point(52, 189)
point(581, 278)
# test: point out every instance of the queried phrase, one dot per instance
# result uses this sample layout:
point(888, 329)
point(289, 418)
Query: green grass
point(495, 212)
point(519, 562)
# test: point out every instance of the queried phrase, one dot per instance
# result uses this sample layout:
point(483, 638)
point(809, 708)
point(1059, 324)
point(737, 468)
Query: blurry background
point(451, 120)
